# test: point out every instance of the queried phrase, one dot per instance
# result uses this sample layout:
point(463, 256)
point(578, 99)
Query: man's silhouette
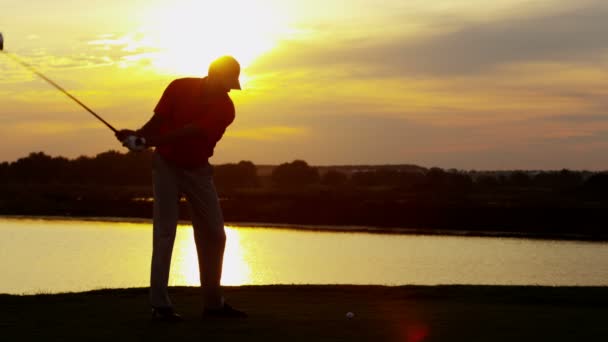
point(190, 118)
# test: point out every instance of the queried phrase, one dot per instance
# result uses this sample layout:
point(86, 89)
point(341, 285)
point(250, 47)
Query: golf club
point(31, 68)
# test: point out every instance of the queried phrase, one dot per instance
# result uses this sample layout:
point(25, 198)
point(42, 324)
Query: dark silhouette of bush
point(459, 182)
point(334, 178)
point(453, 182)
point(559, 181)
point(409, 180)
point(232, 176)
point(4, 171)
point(107, 168)
point(387, 178)
point(38, 167)
point(519, 179)
point(597, 186)
point(365, 178)
point(436, 176)
point(118, 184)
point(114, 168)
point(132, 168)
point(296, 173)
point(487, 181)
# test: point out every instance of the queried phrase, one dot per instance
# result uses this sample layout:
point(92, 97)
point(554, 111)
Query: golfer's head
point(225, 71)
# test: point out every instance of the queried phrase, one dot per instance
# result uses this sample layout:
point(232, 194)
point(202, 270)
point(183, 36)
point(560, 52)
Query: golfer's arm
point(151, 132)
point(152, 127)
point(187, 131)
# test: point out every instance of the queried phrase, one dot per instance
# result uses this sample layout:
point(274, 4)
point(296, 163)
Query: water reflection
point(72, 255)
point(184, 266)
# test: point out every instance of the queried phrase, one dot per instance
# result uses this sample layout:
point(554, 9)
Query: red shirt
point(187, 101)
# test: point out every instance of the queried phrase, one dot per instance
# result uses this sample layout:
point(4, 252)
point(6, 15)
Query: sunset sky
point(503, 84)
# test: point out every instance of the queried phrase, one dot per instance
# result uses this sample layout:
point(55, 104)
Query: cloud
point(93, 52)
point(575, 35)
point(572, 35)
point(534, 143)
point(582, 118)
point(506, 95)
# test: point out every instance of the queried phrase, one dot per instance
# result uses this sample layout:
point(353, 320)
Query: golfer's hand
point(123, 134)
point(134, 143)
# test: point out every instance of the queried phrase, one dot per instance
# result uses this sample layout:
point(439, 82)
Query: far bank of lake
point(424, 213)
point(342, 228)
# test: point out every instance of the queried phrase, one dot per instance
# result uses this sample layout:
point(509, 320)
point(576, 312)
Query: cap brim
point(236, 84)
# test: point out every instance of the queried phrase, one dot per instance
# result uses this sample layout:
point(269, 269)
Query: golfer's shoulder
point(185, 83)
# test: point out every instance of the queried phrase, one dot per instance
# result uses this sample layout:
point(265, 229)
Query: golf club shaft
point(31, 68)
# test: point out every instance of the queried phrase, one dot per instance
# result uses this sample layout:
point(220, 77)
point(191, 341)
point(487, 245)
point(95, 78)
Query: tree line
point(542, 203)
point(134, 169)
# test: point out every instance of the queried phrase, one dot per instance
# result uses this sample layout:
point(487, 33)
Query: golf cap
point(227, 68)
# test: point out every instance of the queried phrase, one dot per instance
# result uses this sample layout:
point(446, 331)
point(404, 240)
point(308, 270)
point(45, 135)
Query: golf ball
point(350, 315)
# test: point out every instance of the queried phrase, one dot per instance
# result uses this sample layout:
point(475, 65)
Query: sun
point(189, 34)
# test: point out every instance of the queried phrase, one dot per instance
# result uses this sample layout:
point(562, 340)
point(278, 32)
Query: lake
point(58, 255)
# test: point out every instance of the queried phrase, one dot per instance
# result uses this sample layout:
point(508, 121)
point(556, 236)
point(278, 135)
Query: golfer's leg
point(209, 234)
point(166, 197)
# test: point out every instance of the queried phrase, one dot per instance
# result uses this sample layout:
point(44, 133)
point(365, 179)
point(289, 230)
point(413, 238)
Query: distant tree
point(4, 172)
point(82, 169)
point(570, 179)
point(106, 168)
point(502, 179)
point(296, 173)
point(519, 179)
point(409, 179)
point(365, 178)
point(231, 176)
point(459, 181)
point(562, 180)
point(115, 168)
point(453, 182)
point(138, 167)
point(38, 167)
point(487, 181)
point(388, 178)
point(436, 177)
point(334, 178)
point(597, 186)
point(110, 168)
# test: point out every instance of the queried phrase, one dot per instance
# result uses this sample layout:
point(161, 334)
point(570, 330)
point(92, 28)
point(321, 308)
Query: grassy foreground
point(317, 313)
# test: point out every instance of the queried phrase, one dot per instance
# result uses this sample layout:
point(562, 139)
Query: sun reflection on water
point(184, 266)
point(75, 255)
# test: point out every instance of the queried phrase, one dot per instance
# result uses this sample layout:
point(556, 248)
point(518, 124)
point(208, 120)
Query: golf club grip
point(31, 68)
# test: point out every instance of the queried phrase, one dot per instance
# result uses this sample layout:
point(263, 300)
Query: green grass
point(317, 313)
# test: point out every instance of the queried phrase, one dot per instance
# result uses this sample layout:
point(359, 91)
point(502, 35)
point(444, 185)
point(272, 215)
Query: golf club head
point(1, 42)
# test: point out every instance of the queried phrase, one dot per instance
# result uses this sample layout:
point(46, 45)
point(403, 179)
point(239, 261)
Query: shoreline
point(338, 228)
point(447, 289)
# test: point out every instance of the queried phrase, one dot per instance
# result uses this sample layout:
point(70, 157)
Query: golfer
point(190, 118)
